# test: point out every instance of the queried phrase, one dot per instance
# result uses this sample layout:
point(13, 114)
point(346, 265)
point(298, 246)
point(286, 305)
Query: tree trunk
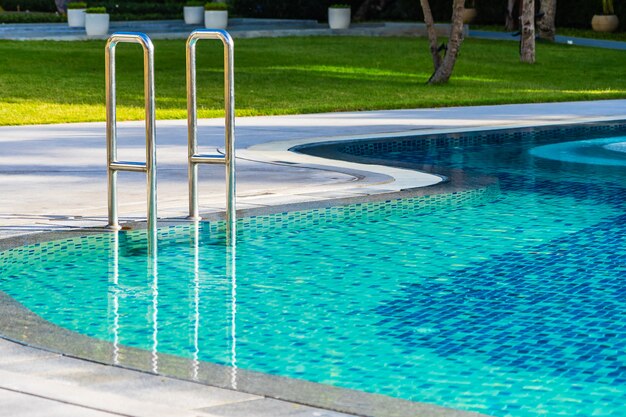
point(444, 72)
point(432, 33)
point(527, 43)
point(510, 24)
point(546, 25)
point(61, 6)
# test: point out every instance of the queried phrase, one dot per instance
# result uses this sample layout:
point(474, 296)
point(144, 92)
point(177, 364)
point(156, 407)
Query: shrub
point(215, 6)
point(77, 5)
point(96, 10)
point(194, 3)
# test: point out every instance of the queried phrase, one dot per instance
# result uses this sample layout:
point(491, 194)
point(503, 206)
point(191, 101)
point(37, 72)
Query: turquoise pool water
point(507, 299)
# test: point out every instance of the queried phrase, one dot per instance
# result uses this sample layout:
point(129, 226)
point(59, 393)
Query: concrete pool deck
point(34, 382)
point(52, 178)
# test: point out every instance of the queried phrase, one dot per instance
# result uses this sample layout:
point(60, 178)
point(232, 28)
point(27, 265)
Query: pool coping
point(285, 149)
point(44, 335)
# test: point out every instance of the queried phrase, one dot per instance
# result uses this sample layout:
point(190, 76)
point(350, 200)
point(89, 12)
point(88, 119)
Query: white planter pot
point(76, 18)
point(194, 15)
point(216, 19)
point(605, 23)
point(97, 24)
point(469, 15)
point(338, 18)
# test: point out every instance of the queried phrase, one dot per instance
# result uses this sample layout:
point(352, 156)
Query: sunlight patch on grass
point(596, 92)
point(345, 70)
point(20, 112)
point(600, 93)
point(477, 79)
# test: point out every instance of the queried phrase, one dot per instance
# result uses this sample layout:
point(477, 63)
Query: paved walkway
point(256, 28)
point(567, 40)
point(43, 384)
point(238, 28)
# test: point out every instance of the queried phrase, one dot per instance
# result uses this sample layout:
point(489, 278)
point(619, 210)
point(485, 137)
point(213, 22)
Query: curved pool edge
point(375, 178)
point(392, 179)
point(20, 325)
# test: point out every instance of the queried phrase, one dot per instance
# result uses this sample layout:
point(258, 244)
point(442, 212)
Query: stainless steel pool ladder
point(228, 159)
point(113, 164)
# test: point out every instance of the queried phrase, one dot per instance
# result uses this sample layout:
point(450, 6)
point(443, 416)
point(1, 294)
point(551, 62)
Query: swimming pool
point(505, 298)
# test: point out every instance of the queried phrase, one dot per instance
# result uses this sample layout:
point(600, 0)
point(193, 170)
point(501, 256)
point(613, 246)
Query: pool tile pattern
point(498, 137)
point(506, 300)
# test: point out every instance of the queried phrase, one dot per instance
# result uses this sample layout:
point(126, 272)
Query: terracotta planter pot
point(97, 24)
point(193, 15)
point(604, 23)
point(339, 18)
point(216, 19)
point(76, 18)
point(469, 15)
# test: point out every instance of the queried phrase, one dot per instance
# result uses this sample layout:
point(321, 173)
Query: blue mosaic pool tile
point(506, 299)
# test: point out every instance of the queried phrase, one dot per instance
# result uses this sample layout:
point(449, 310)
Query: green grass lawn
point(53, 82)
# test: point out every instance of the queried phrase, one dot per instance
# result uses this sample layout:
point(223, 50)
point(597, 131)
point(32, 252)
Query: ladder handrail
point(228, 158)
point(113, 165)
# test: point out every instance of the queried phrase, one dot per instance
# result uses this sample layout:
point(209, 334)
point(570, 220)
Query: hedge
point(288, 9)
point(117, 8)
point(32, 5)
point(570, 13)
point(165, 7)
point(34, 17)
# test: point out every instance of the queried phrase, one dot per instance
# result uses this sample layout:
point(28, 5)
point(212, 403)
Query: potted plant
point(96, 21)
point(607, 21)
point(193, 12)
point(469, 13)
point(76, 14)
point(339, 16)
point(216, 15)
